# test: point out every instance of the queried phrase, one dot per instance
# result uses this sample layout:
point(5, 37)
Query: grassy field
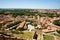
point(22, 34)
point(19, 34)
point(48, 37)
point(57, 36)
point(26, 35)
point(29, 35)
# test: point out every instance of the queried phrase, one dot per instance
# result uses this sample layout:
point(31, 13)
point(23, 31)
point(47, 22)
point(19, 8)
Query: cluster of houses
point(46, 23)
point(49, 11)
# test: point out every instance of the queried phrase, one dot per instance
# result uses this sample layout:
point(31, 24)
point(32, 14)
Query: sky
point(30, 4)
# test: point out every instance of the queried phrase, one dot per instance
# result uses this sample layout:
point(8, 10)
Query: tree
point(56, 22)
point(34, 24)
point(58, 31)
point(29, 21)
point(0, 25)
point(12, 24)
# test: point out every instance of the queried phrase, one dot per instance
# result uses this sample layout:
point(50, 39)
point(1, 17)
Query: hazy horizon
point(30, 4)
